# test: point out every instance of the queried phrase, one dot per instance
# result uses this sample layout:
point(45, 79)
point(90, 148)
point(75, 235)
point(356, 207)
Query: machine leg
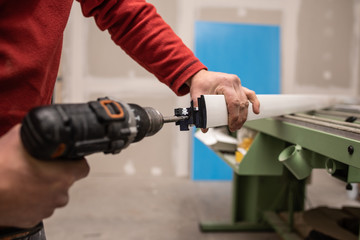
point(254, 195)
point(280, 226)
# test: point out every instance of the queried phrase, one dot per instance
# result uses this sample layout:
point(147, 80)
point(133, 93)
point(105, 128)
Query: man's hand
point(31, 189)
point(237, 97)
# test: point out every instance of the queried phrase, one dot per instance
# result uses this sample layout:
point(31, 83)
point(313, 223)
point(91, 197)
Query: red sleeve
point(137, 28)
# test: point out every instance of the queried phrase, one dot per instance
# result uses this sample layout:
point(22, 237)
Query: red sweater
point(31, 35)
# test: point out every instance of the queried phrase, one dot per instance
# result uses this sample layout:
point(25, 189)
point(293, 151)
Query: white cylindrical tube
point(271, 105)
point(216, 111)
point(277, 105)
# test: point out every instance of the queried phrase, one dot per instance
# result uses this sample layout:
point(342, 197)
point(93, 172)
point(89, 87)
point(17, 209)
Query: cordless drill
point(72, 131)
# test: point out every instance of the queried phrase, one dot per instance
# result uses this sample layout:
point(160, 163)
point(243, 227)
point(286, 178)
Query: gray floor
point(133, 200)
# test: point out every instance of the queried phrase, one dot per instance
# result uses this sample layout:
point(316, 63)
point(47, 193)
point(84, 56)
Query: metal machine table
point(263, 186)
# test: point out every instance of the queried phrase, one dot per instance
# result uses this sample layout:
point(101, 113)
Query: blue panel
point(208, 166)
point(250, 51)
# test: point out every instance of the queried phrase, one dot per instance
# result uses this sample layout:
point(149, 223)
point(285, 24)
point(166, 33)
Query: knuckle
point(236, 103)
point(61, 201)
point(234, 78)
point(66, 183)
point(81, 172)
point(244, 105)
point(249, 93)
point(77, 171)
point(48, 213)
point(220, 89)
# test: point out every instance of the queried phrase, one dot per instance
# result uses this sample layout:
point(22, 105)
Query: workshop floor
point(133, 201)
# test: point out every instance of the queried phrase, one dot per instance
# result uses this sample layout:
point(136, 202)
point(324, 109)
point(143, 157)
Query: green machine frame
point(271, 178)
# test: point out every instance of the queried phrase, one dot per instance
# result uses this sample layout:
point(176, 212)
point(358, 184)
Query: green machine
point(272, 176)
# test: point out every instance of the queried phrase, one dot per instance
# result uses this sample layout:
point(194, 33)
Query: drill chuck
point(156, 120)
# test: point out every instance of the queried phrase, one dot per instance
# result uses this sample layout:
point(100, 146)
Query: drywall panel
point(105, 59)
point(325, 34)
point(168, 10)
point(241, 15)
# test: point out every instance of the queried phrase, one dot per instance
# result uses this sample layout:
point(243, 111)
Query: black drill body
point(72, 131)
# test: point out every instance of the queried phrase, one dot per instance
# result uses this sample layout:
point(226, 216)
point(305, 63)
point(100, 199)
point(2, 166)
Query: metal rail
point(343, 126)
point(338, 113)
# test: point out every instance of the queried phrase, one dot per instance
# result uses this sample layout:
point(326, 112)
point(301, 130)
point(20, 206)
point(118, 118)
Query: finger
point(194, 99)
point(242, 105)
point(243, 108)
point(253, 99)
point(80, 169)
point(204, 130)
point(233, 108)
point(73, 169)
point(238, 109)
point(61, 201)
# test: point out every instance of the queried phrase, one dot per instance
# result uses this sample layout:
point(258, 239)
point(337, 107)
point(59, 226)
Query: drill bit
point(174, 118)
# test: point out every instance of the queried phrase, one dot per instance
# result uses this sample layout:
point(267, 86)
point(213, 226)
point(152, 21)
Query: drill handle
point(72, 131)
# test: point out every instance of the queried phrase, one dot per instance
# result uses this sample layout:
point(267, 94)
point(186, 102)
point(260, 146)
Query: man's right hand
point(31, 189)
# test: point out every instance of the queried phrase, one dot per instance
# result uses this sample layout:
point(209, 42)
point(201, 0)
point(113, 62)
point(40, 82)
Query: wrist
point(189, 81)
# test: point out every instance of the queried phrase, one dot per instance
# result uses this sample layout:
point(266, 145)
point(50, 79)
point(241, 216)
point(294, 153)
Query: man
point(30, 46)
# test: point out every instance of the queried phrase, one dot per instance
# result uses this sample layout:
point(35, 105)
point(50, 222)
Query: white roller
point(277, 105)
point(270, 106)
point(216, 111)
